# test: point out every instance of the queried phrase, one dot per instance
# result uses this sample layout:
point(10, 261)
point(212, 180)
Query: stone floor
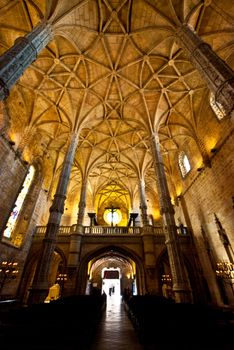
point(115, 330)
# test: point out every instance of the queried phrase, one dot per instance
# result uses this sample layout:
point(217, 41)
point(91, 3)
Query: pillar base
point(71, 280)
point(37, 295)
point(182, 295)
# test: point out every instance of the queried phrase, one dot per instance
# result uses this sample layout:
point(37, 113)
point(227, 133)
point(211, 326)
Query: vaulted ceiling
point(115, 70)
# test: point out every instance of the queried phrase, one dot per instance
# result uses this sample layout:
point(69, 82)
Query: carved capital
point(215, 72)
point(16, 59)
point(225, 95)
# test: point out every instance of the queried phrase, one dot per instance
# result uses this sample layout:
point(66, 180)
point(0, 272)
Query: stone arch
point(197, 283)
point(162, 258)
point(29, 271)
point(101, 252)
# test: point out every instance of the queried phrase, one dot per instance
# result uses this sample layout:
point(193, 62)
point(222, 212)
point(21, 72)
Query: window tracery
point(11, 223)
point(184, 164)
point(217, 107)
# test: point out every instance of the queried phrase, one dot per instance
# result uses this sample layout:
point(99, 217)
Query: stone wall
point(211, 192)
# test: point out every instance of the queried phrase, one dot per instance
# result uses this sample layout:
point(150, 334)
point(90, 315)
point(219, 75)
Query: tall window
point(217, 107)
point(184, 164)
point(11, 223)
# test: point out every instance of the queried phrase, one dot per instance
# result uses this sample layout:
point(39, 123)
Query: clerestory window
point(184, 164)
point(217, 107)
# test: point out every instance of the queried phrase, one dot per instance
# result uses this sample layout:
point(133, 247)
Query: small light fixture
point(166, 278)
point(62, 277)
point(8, 271)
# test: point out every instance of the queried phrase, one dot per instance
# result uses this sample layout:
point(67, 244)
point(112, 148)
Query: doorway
point(112, 273)
point(111, 282)
point(111, 287)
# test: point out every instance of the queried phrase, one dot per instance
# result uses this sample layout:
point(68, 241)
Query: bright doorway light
point(111, 287)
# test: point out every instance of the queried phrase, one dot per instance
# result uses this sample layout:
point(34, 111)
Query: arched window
point(217, 107)
point(184, 164)
point(11, 223)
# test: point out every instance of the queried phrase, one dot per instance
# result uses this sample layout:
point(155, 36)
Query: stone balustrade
point(102, 230)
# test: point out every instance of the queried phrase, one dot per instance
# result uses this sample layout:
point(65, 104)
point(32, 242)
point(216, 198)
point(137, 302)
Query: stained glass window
point(184, 164)
point(217, 107)
point(19, 203)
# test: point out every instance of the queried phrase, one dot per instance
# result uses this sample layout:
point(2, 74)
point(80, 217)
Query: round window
point(112, 216)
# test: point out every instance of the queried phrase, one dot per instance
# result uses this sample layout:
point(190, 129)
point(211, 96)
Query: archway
point(111, 264)
point(113, 274)
point(197, 284)
point(57, 266)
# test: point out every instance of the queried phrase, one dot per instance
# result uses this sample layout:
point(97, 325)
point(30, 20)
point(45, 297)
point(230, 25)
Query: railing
point(109, 230)
point(158, 230)
point(40, 230)
point(62, 231)
point(104, 230)
point(93, 230)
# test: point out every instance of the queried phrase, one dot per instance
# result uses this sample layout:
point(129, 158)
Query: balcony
point(66, 231)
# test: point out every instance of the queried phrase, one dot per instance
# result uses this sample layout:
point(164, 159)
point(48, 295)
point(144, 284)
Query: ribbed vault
point(116, 72)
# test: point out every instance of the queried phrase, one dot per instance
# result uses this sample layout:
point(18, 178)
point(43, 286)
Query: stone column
point(76, 237)
point(217, 74)
point(143, 205)
point(40, 283)
point(14, 61)
point(149, 258)
point(82, 203)
point(74, 248)
point(181, 287)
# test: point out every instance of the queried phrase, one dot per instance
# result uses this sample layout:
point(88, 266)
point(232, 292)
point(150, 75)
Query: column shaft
point(150, 260)
point(181, 285)
point(217, 74)
point(16, 59)
point(76, 237)
point(143, 204)
point(40, 282)
point(82, 203)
